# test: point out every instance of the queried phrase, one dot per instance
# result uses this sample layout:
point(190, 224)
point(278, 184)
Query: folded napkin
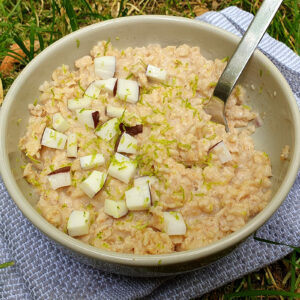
point(42, 271)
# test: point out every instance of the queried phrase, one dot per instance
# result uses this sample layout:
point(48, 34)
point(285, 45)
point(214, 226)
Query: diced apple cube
point(156, 74)
point(128, 90)
point(59, 123)
point(105, 66)
point(116, 209)
point(92, 91)
point(88, 117)
point(58, 180)
point(138, 197)
point(138, 181)
point(108, 85)
point(127, 144)
point(53, 139)
point(221, 150)
point(122, 168)
point(93, 183)
point(72, 145)
point(78, 223)
point(174, 223)
point(74, 104)
point(114, 112)
point(91, 161)
point(109, 129)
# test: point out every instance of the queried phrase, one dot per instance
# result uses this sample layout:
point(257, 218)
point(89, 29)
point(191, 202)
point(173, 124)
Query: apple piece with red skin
point(221, 150)
point(53, 139)
point(127, 144)
point(122, 168)
point(114, 111)
point(128, 90)
point(88, 117)
point(59, 123)
point(108, 130)
point(78, 223)
point(156, 74)
point(108, 85)
point(91, 161)
point(105, 66)
point(138, 197)
point(115, 209)
point(60, 178)
point(93, 183)
point(173, 223)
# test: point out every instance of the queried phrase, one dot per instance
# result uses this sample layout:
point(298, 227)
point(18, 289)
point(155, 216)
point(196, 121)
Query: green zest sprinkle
point(247, 107)
point(184, 146)
point(177, 63)
point(33, 159)
point(106, 46)
point(194, 84)
point(77, 43)
point(226, 58)
point(79, 84)
point(129, 76)
point(175, 215)
point(105, 245)
point(140, 226)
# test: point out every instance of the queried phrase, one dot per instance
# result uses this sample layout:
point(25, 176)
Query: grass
point(33, 25)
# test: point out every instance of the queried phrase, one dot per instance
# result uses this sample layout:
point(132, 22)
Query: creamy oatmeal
point(125, 158)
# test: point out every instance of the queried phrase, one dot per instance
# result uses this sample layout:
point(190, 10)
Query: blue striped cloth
point(42, 271)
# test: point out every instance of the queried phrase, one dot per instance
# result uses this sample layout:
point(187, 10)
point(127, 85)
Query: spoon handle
point(245, 48)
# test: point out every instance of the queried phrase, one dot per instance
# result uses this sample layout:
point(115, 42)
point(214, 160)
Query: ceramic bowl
point(272, 95)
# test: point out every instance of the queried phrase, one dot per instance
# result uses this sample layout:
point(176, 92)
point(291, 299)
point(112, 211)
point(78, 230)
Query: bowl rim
point(132, 259)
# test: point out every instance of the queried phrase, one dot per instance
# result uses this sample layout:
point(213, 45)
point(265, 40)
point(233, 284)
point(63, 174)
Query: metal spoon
point(216, 105)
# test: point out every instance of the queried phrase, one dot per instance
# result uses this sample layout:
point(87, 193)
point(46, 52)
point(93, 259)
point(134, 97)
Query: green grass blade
point(293, 272)
point(275, 243)
point(296, 265)
point(15, 55)
point(122, 12)
point(261, 293)
point(41, 41)
point(20, 43)
point(13, 10)
point(53, 21)
point(7, 264)
point(190, 8)
point(9, 51)
point(71, 14)
point(95, 16)
point(31, 39)
point(87, 5)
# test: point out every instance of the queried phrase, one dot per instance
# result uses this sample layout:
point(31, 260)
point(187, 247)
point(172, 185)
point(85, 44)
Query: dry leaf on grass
point(8, 62)
point(200, 10)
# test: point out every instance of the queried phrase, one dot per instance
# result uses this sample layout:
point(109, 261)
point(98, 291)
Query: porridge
point(124, 157)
